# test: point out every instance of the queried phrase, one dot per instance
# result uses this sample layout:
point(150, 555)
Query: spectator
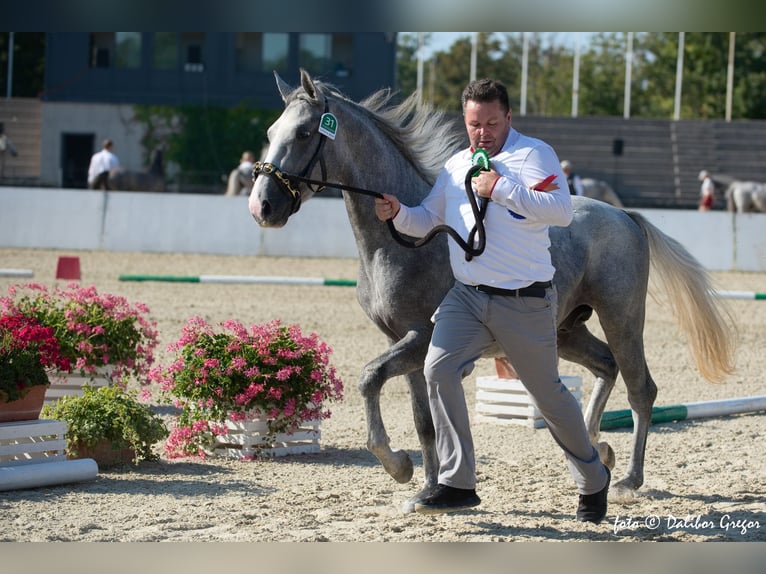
point(6, 145)
point(707, 191)
point(240, 178)
point(101, 163)
point(573, 180)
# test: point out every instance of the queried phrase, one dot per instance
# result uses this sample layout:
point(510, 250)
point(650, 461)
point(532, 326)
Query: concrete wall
point(190, 223)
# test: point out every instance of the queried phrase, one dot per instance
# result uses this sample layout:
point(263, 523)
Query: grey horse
point(601, 190)
point(602, 262)
point(153, 179)
point(746, 197)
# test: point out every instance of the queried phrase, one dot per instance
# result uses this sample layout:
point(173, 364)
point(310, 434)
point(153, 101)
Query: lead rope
point(479, 211)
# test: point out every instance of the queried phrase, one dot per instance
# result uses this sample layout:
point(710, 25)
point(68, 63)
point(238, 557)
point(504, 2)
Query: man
point(503, 295)
point(6, 145)
point(573, 180)
point(707, 191)
point(101, 163)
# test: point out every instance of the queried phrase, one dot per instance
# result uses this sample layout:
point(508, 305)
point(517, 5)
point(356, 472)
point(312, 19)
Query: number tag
point(328, 125)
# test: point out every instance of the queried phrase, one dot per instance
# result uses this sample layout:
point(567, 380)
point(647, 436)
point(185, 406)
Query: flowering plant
point(27, 349)
point(237, 373)
point(92, 329)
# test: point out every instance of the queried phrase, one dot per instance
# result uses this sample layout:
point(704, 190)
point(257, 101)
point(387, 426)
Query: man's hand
point(386, 207)
point(484, 182)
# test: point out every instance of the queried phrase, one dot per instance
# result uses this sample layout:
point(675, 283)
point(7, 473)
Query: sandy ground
point(705, 478)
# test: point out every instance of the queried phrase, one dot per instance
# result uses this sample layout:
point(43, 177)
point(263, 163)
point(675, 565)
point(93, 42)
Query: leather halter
point(286, 181)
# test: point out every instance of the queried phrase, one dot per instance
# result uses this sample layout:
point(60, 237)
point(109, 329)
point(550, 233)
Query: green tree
point(28, 64)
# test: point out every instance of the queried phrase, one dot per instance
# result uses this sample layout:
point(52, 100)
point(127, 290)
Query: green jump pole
point(241, 279)
point(624, 418)
point(752, 295)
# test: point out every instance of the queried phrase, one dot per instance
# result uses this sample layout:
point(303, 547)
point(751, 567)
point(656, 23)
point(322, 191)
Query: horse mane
point(425, 136)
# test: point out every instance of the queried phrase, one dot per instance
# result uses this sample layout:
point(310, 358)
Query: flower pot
point(103, 452)
point(26, 408)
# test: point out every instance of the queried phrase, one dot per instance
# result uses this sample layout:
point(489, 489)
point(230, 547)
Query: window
point(327, 54)
point(262, 52)
point(192, 46)
point(115, 50)
point(165, 51)
point(101, 49)
point(127, 50)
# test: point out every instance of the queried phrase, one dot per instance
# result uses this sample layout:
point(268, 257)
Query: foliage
point(205, 140)
point(602, 71)
point(92, 329)
point(27, 349)
point(232, 372)
point(108, 413)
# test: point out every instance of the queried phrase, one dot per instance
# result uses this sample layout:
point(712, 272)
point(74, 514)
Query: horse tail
point(705, 323)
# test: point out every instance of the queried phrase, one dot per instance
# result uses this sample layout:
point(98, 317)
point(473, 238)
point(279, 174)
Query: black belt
point(537, 289)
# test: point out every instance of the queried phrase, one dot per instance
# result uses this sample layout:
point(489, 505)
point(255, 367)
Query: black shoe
point(592, 507)
point(409, 504)
point(447, 499)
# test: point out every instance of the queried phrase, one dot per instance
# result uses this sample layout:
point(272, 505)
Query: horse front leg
point(403, 358)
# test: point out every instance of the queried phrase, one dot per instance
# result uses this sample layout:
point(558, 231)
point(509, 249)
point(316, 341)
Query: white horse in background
point(746, 197)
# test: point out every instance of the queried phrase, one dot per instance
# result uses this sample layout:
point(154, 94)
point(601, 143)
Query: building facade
point(92, 81)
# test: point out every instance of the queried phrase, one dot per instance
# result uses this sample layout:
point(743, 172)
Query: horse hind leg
point(578, 345)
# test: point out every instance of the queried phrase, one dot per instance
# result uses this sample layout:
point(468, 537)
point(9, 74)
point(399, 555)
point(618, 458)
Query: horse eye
point(304, 135)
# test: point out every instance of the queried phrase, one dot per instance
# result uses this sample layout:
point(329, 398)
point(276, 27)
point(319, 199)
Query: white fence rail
point(188, 223)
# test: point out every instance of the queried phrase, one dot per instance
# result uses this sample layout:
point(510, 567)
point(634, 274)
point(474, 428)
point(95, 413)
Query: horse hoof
point(399, 466)
point(606, 454)
point(408, 506)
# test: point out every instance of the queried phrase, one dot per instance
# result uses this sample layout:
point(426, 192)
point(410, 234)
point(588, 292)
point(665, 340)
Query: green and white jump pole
point(750, 295)
point(671, 413)
point(241, 279)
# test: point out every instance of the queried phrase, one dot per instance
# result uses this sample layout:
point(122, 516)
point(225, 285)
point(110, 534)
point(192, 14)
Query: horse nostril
point(265, 209)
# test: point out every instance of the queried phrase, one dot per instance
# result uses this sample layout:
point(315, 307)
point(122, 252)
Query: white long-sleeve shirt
point(100, 162)
point(517, 218)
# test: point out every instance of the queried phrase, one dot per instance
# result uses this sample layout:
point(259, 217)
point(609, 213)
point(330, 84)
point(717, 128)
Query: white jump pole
point(16, 273)
point(47, 473)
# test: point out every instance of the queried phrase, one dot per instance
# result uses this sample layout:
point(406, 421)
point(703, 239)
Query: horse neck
point(371, 161)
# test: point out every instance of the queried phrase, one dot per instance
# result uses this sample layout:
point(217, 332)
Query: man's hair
point(486, 90)
point(108, 143)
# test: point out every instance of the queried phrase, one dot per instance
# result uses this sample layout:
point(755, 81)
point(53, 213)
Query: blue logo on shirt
point(515, 215)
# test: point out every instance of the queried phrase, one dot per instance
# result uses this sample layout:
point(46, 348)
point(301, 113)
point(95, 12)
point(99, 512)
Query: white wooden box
point(36, 441)
point(68, 384)
point(506, 401)
point(249, 438)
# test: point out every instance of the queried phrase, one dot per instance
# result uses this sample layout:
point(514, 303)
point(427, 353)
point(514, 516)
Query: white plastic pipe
point(34, 475)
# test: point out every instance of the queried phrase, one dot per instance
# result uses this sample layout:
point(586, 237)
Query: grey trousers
point(466, 324)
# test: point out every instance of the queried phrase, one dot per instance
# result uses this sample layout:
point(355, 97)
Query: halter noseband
point(285, 181)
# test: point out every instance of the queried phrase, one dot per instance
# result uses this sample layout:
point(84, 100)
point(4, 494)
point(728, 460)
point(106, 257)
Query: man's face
point(487, 125)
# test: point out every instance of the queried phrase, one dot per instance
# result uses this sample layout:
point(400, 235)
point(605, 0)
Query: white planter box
point(506, 401)
point(37, 441)
point(68, 384)
point(249, 438)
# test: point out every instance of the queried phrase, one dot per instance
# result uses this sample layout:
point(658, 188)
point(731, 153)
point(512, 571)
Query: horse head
point(295, 146)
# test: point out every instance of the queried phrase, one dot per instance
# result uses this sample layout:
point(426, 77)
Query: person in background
point(573, 180)
point(6, 146)
point(241, 177)
point(503, 296)
point(101, 163)
point(707, 191)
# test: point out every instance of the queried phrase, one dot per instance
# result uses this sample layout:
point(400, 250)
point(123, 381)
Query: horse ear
point(284, 88)
point(308, 84)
